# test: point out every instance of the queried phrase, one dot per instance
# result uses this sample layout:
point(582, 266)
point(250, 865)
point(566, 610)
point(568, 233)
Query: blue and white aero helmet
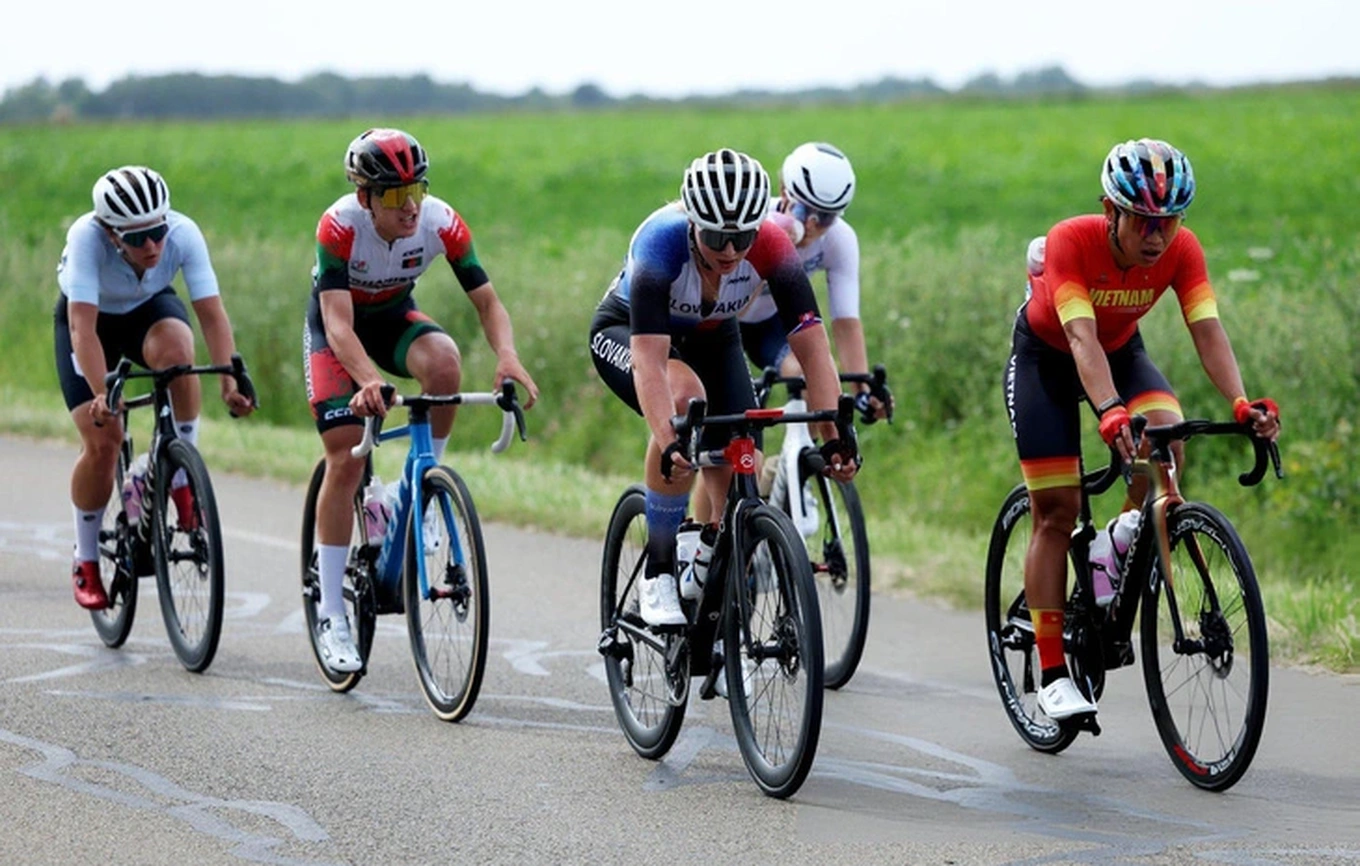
point(726, 190)
point(129, 196)
point(819, 176)
point(1148, 177)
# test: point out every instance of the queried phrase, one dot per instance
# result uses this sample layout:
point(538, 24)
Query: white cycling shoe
point(1061, 699)
point(336, 644)
point(659, 601)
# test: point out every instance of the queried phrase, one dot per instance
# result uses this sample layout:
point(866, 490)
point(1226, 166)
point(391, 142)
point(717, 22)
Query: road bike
point(830, 521)
point(430, 562)
point(141, 536)
point(756, 624)
point(1202, 628)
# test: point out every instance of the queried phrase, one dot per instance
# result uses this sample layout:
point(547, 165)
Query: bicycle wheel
point(772, 636)
point(1010, 633)
point(1208, 690)
point(117, 568)
point(639, 686)
point(189, 568)
point(839, 554)
point(448, 622)
point(358, 587)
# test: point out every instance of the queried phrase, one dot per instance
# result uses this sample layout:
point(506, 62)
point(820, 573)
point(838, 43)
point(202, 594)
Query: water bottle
point(376, 511)
point(697, 546)
point(134, 489)
point(1108, 549)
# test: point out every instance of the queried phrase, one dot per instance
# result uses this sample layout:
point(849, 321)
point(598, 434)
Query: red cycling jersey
point(1080, 280)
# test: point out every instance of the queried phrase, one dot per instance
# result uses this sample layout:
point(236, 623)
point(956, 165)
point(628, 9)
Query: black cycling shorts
point(122, 335)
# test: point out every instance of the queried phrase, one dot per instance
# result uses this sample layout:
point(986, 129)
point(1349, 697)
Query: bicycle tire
point(1216, 596)
point(777, 677)
point(358, 586)
point(1011, 648)
point(633, 669)
point(448, 626)
point(841, 576)
point(191, 597)
point(117, 568)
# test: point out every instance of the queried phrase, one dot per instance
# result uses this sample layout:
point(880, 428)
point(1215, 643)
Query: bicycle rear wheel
point(640, 686)
point(839, 554)
point(773, 641)
point(1207, 691)
point(1010, 633)
point(117, 568)
point(189, 567)
point(449, 622)
point(361, 607)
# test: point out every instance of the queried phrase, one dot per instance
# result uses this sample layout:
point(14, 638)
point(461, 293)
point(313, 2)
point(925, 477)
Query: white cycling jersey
point(93, 271)
point(837, 253)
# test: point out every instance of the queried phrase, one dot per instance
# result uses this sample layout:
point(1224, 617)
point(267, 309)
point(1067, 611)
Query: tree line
point(194, 96)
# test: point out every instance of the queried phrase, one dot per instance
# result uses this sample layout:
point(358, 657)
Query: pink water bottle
point(376, 512)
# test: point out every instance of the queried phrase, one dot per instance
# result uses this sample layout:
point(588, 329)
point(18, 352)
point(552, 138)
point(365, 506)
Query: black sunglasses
point(718, 240)
point(136, 240)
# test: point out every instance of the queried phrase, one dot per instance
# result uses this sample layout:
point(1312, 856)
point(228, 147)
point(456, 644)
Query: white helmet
point(129, 196)
point(726, 191)
point(819, 176)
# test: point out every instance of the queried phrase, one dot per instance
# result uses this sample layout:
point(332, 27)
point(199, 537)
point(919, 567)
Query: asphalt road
point(120, 756)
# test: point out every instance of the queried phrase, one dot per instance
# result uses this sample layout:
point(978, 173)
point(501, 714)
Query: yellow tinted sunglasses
point(395, 197)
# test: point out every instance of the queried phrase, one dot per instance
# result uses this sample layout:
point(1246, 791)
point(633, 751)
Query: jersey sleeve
point(842, 272)
point(1062, 271)
point(776, 261)
point(462, 253)
point(196, 265)
point(78, 271)
point(334, 243)
point(1191, 282)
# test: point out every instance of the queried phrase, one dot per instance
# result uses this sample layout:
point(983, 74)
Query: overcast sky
point(678, 47)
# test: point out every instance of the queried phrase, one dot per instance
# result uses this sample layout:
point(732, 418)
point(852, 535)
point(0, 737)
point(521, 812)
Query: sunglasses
point(824, 218)
point(718, 240)
point(137, 239)
point(395, 196)
point(1146, 226)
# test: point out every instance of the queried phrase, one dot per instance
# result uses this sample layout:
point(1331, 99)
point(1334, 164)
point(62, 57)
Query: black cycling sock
point(1051, 675)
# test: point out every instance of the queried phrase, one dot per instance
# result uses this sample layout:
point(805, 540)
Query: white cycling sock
point(188, 430)
point(331, 559)
point(87, 533)
point(439, 442)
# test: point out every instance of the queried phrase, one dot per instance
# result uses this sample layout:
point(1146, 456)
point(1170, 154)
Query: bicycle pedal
point(1083, 722)
point(708, 690)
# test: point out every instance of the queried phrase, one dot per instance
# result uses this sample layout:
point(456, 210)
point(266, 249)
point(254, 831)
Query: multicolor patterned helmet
point(726, 191)
point(1148, 177)
point(385, 157)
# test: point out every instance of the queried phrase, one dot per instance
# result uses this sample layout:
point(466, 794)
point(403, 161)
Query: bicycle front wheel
point(117, 569)
point(640, 685)
point(1206, 662)
point(773, 643)
point(188, 544)
point(1011, 648)
point(448, 613)
point(838, 550)
point(361, 607)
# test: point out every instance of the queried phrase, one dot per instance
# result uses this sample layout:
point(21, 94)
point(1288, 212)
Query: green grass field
point(949, 194)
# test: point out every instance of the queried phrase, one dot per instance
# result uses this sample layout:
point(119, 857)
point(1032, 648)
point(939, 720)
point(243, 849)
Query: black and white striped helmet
point(129, 196)
point(726, 191)
point(819, 176)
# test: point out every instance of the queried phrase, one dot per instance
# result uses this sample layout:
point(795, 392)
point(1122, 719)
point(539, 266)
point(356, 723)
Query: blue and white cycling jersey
point(660, 288)
point(93, 271)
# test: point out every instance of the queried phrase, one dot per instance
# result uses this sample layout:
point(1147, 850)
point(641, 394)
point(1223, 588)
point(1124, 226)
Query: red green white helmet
point(725, 190)
point(1148, 177)
point(130, 196)
point(817, 175)
point(385, 157)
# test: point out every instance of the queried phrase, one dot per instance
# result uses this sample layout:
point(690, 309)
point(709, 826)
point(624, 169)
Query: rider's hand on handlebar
point(675, 466)
point(368, 400)
point(1114, 429)
point(842, 461)
point(100, 411)
point(238, 404)
point(870, 408)
point(1263, 415)
point(509, 367)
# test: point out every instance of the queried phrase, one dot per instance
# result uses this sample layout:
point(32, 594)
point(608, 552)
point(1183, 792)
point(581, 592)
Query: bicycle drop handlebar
point(116, 379)
point(505, 399)
point(876, 380)
point(1266, 451)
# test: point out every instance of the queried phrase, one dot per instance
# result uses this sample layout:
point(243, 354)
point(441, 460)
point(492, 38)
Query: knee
point(1055, 515)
